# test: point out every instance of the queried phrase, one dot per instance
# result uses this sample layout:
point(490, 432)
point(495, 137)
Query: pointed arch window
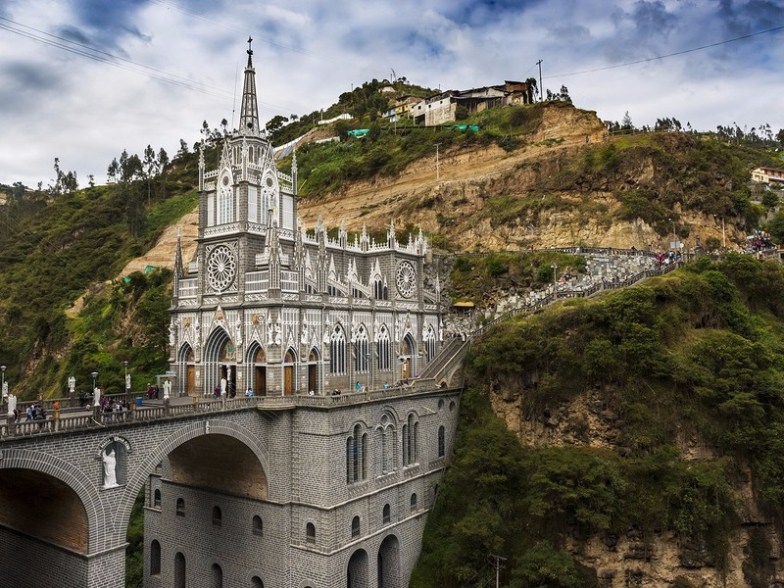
point(362, 349)
point(337, 352)
point(355, 527)
point(380, 290)
point(385, 515)
point(225, 205)
point(384, 350)
point(310, 533)
point(430, 344)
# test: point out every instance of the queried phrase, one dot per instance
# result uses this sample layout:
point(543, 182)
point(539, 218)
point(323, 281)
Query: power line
point(101, 56)
point(675, 54)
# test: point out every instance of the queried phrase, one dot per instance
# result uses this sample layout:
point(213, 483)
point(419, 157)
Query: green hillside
point(698, 353)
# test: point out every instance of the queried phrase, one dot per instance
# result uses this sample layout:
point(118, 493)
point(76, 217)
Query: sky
point(81, 80)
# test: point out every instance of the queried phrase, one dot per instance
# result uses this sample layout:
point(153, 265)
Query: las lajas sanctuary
point(313, 489)
point(269, 306)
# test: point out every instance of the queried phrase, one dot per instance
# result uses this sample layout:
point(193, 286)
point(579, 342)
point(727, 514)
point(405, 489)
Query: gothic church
point(270, 307)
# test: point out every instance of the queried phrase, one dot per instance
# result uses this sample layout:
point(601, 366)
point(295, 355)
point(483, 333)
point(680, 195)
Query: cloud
point(183, 63)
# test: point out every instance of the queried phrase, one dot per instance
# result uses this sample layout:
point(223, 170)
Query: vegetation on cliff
point(694, 354)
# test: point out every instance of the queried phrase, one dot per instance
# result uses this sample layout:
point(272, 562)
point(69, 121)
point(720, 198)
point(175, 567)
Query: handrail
point(94, 419)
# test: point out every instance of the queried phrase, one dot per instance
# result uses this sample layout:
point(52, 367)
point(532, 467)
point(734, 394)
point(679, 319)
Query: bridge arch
point(220, 429)
point(23, 470)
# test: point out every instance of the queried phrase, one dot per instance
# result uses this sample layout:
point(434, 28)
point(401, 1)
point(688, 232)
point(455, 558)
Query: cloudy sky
point(84, 79)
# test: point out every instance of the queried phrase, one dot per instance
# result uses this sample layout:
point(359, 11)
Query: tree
point(275, 123)
point(626, 123)
point(565, 95)
point(112, 171)
point(183, 151)
point(531, 89)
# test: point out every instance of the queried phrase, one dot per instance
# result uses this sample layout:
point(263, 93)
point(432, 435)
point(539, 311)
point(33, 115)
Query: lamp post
point(95, 377)
point(127, 377)
point(555, 279)
point(4, 389)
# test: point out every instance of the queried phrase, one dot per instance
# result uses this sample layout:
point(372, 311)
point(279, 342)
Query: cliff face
point(628, 559)
point(565, 186)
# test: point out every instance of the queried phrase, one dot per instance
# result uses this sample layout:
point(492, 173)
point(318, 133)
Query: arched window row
point(337, 352)
point(410, 435)
point(356, 456)
point(362, 351)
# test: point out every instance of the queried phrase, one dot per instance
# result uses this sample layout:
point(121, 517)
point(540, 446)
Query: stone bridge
point(61, 522)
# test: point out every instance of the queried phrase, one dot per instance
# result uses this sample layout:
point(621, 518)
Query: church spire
point(249, 110)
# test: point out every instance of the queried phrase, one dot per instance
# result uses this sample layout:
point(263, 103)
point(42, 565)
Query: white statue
point(238, 338)
point(223, 386)
point(196, 335)
point(109, 469)
point(71, 384)
point(97, 396)
point(5, 390)
point(166, 389)
point(11, 405)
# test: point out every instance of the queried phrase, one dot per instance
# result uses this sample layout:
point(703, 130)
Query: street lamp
point(95, 377)
point(4, 389)
point(127, 377)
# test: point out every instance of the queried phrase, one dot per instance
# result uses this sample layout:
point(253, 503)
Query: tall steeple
point(249, 111)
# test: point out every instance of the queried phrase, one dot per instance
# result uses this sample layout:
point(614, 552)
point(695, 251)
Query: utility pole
point(438, 168)
point(541, 89)
point(498, 565)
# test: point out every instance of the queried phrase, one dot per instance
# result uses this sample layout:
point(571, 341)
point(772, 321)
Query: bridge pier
point(106, 569)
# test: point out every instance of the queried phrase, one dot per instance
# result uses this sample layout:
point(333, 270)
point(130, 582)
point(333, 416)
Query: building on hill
point(443, 108)
point(266, 308)
point(768, 175)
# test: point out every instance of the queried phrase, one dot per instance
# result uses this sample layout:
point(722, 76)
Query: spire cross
point(250, 51)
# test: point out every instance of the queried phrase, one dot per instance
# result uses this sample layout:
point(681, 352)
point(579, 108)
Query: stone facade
point(329, 501)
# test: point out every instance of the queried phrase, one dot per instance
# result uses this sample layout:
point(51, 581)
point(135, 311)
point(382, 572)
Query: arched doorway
point(313, 365)
point(407, 350)
point(187, 375)
point(220, 363)
point(389, 563)
point(357, 572)
point(289, 372)
point(257, 369)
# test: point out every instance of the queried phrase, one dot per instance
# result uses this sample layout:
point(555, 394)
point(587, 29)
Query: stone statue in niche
point(109, 468)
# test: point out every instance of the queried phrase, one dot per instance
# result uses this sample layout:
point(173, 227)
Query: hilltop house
point(443, 107)
point(768, 175)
